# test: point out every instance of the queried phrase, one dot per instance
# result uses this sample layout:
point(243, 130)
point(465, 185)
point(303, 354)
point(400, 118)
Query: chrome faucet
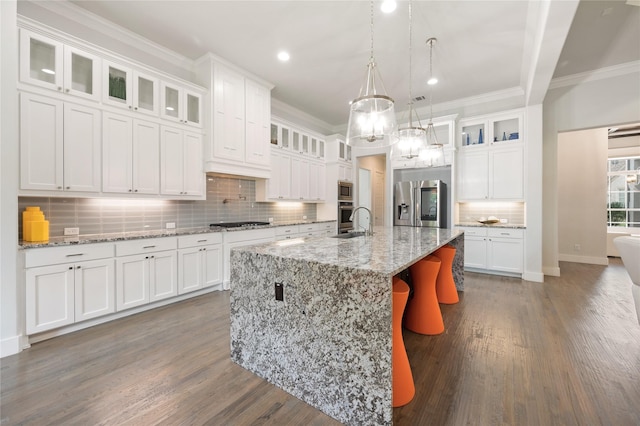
point(370, 231)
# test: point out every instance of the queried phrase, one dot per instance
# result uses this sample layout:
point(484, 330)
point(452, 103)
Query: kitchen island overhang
point(328, 341)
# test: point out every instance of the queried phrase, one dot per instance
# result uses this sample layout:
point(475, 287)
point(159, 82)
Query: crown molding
point(81, 16)
point(281, 108)
point(599, 74)
point(485, 98)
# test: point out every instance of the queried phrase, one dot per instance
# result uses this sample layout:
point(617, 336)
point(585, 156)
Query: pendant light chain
point(371, 26)
point(410, 65)
point(431, 41)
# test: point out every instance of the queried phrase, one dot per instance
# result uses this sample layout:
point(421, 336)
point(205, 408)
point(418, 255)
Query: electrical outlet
point(576, 247)
point(279, 291)
point(270, 219)
point(304, 218)
point(71, 231)
point(171, 225)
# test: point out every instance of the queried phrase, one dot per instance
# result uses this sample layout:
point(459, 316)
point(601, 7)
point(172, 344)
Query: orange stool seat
point(423, 312)
point(402, 379)
point(445, 286)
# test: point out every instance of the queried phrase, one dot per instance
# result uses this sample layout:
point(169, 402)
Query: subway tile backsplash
point(512, 211)
point(228, 200)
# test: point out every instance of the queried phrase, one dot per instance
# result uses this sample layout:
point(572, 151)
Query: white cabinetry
point(146, 271)
point(180, 105)
point(59, 144)
point(67, 285)
point(48, 63)
point(130, 155)
point(181, 162)
point(238, 122)
point(199, 262)
point(491, 166)
point(494, 249)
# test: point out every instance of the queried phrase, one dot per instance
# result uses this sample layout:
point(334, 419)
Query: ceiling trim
point(97, 23)
point(281, 109)
point(599, 74)
point(485, 98)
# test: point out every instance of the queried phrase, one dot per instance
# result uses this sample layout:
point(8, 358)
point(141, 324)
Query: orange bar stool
point(423, 312)
point(402, 379)
point(445, 286)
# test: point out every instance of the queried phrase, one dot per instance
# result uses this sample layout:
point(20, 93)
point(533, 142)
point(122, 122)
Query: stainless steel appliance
point(345, 191)
point(420, 203)
point(345, 210)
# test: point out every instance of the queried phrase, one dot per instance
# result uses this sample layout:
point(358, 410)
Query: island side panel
point(458, 262)
point(327, 343)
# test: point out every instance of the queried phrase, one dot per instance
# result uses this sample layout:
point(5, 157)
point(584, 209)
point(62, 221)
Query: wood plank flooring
point(566, 352)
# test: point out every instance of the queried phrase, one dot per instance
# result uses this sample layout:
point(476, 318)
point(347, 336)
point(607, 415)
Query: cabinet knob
point(67, 90)
point(59, 187)
point(59, 88)
point(77, 267)
point(70, 267)
point(68, 187)
point(135, 190)
point(153, 257)
point(129, 190)
point(135, 108)
point(130, 107)
point(146, 257)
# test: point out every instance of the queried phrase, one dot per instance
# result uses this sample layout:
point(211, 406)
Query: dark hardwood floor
point(566, 352)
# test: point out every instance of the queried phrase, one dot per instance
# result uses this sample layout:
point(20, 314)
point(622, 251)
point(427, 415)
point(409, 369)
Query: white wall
point(9, 295)
point(591, 104)
point(582, 195)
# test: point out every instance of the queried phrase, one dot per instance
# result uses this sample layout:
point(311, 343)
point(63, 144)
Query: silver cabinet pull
point(75, 254)
point(148, 247)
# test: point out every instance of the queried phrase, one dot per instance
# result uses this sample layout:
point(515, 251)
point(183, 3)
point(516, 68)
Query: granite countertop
point(388, 251)
point(494, 225)
point(136, 235)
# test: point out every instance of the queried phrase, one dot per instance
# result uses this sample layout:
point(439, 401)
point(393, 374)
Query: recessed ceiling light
point(432, 81)
point(283, 56)
point(388, 6)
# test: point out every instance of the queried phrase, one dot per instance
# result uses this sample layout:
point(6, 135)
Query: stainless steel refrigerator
point(420, 203)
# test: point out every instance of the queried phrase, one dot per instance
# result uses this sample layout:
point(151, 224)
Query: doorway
point(371, 187)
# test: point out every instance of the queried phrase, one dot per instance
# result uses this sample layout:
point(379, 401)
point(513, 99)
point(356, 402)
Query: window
point(623, 191)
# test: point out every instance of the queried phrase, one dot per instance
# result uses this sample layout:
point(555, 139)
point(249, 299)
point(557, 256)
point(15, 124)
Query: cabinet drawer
point(68, 254)
point(146, 245)
point(199, 240)
point(284, 231)
point(505, 233)
point(474, 232)
point(311, 227)
point(248, 235)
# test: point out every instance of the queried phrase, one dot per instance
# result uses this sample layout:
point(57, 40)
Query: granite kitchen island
point(328, 341)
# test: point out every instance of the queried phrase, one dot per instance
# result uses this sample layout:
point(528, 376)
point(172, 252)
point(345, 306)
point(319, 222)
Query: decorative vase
point(468, 139)
point(480, 140)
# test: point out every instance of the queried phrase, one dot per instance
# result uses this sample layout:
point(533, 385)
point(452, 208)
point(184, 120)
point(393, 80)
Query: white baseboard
point(537, 277)
point(583, 259)
point(552, 271)
point(10, 346)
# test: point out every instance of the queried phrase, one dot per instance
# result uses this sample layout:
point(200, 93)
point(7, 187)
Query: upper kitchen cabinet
point(128, 88)
point(238, 120)
point(491, 166)
point(181, 163)
point(50, 64)
point(280, 135)
point(59, 145)
point(181, 105)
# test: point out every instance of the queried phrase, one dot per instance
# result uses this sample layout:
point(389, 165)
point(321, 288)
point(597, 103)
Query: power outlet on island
point(279, 292)
point(71, 231)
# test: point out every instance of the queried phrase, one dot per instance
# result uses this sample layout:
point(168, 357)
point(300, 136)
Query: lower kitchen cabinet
point(199, 262)
point(59, 294)
point(494, 249)
point(147, 276)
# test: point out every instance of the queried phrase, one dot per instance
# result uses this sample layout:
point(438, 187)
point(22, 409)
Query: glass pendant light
point(434, 154)
point(372, 118)
point(412, 138)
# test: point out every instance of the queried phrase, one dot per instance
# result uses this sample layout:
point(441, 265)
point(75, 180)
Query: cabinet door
point(507, 173)
point(472, 175)
point(228, 114)
point(279, 185)
point(212, 265)
point(117, 143)
point(475, 252)
point(117, 85)
point(94, 289)
point(172, 103)
point(192, 110)
point(132, 281)
point(258, 116)
point(297, 184)
point(49, 296)
point(81, 148)
point(41, 60)
point(171, 161)
point(146, 157)
point(313, 180)
point(163, 275)
point(505, 254)
point(81, 73)
point(193, 167)
point(190, 270)
point(41, 143)
point(145, 94)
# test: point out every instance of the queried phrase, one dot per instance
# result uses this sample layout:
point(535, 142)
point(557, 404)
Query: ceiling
point(483, 46)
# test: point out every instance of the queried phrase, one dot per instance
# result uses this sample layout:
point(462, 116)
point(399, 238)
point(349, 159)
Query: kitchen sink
point(349, 235)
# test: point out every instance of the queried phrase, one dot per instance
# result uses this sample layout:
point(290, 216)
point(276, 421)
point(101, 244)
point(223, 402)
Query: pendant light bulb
point(372, 118)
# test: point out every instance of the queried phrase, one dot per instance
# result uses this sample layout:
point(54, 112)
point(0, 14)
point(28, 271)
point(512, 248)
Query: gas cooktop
point(237, 224)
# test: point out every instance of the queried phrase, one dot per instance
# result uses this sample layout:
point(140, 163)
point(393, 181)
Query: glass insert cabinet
point(50, 64)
